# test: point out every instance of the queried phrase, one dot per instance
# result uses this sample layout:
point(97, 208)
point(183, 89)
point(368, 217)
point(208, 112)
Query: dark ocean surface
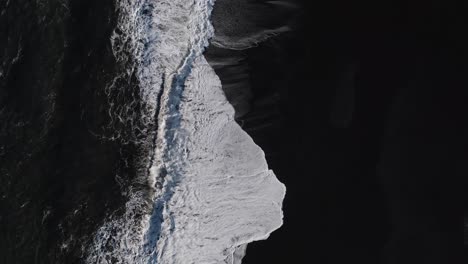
point(57, 174)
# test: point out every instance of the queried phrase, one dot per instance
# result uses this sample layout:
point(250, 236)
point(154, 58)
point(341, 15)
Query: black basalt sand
point(360, 110)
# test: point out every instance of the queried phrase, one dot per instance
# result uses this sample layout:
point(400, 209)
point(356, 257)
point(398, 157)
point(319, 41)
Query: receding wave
point(242, 24)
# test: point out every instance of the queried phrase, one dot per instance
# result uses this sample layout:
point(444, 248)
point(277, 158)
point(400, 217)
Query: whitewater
point(208, 190)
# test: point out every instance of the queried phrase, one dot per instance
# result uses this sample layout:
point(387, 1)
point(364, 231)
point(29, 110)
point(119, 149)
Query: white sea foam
point(222, 193)
point(208, 189)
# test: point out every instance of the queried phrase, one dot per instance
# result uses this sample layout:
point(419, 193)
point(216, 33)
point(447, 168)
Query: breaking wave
point(203, 188)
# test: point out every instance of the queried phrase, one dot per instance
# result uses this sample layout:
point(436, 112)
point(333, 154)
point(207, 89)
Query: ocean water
point(118, 143)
